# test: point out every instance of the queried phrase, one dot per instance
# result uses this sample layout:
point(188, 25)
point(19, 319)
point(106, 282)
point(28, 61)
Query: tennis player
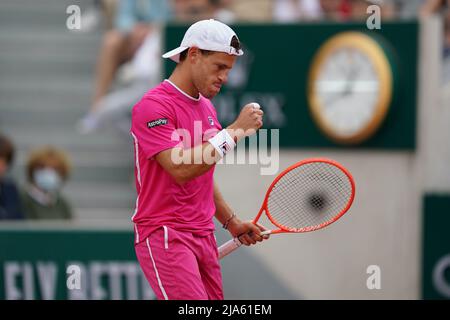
point(176, 202)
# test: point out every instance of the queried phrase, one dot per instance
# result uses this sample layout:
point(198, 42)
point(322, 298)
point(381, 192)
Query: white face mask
point(47, 179)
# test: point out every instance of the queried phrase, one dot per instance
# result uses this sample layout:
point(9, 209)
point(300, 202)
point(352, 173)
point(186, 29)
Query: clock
point(351, 86)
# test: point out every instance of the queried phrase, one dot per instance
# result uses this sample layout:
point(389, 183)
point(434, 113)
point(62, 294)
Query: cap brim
point(174, 54)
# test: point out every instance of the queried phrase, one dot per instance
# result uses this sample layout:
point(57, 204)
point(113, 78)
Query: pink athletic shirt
point(164, 118)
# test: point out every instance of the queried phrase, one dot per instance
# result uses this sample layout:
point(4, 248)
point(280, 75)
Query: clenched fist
point(248, 121)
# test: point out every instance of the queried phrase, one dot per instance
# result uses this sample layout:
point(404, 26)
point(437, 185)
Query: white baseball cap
point(210, 35)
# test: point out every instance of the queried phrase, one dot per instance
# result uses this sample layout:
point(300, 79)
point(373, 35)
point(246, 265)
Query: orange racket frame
point(233, 244)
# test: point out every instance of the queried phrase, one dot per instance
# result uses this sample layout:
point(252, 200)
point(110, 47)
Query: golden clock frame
point(377, 55)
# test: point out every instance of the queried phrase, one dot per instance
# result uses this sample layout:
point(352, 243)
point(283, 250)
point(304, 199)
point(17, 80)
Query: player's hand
point(247, 232)
point(248, 121)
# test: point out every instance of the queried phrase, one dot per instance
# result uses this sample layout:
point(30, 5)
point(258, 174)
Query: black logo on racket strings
point(317, 201)
point(157, 122)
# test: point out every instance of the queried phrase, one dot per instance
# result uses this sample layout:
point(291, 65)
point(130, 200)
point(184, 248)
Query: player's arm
point(187, 164)
point(247, 232)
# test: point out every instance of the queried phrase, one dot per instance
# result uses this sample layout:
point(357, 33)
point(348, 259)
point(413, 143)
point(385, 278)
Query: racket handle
point(228, 247)
point(231, 245)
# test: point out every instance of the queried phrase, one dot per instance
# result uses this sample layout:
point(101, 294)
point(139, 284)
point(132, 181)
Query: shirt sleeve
point(153, 127)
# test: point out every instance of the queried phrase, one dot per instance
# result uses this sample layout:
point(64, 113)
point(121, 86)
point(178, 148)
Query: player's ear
point(193, 54)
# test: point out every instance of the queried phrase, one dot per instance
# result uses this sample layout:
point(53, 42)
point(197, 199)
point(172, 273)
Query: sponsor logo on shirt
point(157, 122)
point(211, 121)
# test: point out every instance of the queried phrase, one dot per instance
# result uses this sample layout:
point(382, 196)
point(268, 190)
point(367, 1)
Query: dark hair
point(234, 43)
point(48, 156)
point(6, 149)
point(183, 54)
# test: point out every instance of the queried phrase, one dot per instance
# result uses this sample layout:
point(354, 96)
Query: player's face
point(210, 72)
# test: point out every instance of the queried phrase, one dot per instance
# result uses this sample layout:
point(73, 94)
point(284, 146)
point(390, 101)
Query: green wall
point(277, 60)
point(33, 265)
point(436, 247)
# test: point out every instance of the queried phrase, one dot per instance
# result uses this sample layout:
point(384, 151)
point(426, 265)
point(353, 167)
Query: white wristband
point(222, 142)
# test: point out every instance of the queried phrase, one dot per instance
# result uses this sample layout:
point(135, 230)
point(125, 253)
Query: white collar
point(175, 86)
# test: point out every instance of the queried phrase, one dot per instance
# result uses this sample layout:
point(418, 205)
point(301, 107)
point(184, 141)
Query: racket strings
point(309, 196)
point(318, 203)
point(313, 201)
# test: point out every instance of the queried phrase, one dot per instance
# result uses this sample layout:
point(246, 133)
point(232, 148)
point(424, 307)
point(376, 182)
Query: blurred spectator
point(358, 8)
point(335, 10)
point(96, 14)
point(188, 11)
point(136, 21)
point(222, 11)
point(441, 7)
point(10, 207)
point(47, 169)
point(132, 52)
point(447, 35)
point(306, 10)
point(108, 8)
point(407, 9)
point(252, 10)
point(434, 6)
point(339, 10)
point(296, 10)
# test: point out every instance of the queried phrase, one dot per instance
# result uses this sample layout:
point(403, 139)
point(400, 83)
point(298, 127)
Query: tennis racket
point(307, 196)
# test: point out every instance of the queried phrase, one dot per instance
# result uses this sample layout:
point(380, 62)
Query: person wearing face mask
point(47, 169)
point(10, 207)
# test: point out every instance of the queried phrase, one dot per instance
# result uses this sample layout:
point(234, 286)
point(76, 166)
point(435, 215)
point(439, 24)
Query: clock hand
point(348, 85)
point(334, 98)
point(350, 80)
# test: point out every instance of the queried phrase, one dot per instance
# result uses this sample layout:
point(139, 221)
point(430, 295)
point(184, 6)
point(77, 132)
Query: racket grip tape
point(229, 247)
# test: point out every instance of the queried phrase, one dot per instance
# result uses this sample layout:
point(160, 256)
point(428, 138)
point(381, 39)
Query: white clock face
point(347, 87)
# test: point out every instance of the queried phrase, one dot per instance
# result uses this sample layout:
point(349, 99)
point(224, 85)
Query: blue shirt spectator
point(10, 206)
point(131, 12)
